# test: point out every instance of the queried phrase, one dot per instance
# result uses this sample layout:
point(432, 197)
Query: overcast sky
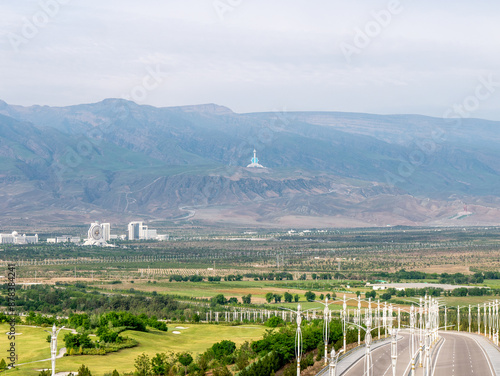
point(407, 56)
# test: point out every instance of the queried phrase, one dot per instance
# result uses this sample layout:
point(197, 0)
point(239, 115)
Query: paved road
point(461, 355)
point(381, 359)
point(381, 351)
point(454, 355)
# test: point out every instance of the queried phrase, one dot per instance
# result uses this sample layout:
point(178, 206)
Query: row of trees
point(279, 276)
point(49, 302)
point(455, 278)
point(289, 298)
point(431, 291)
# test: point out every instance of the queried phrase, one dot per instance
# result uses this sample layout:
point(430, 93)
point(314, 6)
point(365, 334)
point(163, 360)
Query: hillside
point(117, 160)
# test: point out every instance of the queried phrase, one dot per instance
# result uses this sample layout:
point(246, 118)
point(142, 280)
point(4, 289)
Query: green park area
point(31, 346)
point(137, 300)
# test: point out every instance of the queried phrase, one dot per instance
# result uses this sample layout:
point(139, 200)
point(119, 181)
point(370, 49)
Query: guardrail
point(343, 356)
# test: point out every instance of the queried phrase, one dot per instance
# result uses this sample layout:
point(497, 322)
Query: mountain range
point(116, 160)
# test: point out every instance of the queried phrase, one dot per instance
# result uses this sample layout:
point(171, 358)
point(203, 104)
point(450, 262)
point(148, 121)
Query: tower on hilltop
point(255, 161)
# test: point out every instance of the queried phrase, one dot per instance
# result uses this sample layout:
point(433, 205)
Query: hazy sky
point(404, 56)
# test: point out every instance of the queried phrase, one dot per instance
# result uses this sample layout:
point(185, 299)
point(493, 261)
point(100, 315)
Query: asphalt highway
point(454, 355)
point(381, 359)
point(461, 355)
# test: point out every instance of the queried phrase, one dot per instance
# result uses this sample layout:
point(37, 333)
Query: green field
point(492, 283)
point(258, 289)
point(30, 343)
point(196, 338)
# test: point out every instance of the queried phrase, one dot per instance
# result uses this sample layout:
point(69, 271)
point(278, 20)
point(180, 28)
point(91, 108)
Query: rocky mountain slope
point(117, 160)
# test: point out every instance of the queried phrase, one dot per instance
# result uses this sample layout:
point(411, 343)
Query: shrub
point(274, 321)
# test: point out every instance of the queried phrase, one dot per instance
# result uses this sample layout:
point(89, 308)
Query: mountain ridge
point(321, 165)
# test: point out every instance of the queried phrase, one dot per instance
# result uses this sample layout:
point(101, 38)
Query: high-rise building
point(134, 230)
point(106, 231)
point(140, 231)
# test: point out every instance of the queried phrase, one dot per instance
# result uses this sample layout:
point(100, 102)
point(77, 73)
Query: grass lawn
point(30, 343)
point(492, 283)
point(258, 289)
point(466, 300)
point(196, 339)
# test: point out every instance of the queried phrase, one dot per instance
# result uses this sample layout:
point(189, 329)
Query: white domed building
point(15, 238)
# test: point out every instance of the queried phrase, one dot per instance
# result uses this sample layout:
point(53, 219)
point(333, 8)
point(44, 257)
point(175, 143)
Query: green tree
point(269, 297)
point(277, 298)
point(296, 298)
point(115, 373)
point(3, 365)
point(84, 371)
point(218, 300)
point(185, 359)
point(310, 295)
point(247, 299)
point(45, 373)
point(75, 341)
point(288, 297)
point(159, 364)
point(142, 365)
point(321, 297)
point(222, 371)
point(370, 294)
point(223, 349)
point(385, 296)
point(274, 321)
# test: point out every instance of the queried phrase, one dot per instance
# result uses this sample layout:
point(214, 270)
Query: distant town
point(99, 234)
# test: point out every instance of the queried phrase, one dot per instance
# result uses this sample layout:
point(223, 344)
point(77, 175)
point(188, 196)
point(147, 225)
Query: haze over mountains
point(116, 160)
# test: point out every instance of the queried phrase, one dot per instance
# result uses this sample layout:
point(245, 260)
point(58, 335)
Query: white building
point(63, 239)
point(96, 235)
point(140, 231)
point(106, 231)
point(15, 238)
point(134, 230)
point(150, 234)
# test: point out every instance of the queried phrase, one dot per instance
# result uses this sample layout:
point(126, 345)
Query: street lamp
point(53, 346)
point(333, 361)
point(412, 339)
point(298, 334)
point(394, 351)
point(368, 341)
point(326, 325)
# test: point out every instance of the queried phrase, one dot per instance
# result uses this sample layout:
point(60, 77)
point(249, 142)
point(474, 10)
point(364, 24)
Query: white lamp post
point(326, 325)
point(298, 334)
point(53, 346)
point(394, 351)
point(333, 362)
point(298, 340)
point(412, 339)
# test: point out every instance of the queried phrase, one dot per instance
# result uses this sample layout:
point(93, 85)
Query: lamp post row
point(423, 319)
